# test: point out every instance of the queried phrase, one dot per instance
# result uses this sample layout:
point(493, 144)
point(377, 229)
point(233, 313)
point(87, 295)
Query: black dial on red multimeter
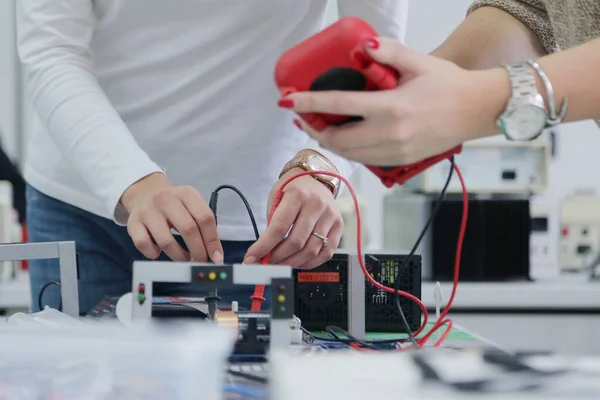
point(346, 79)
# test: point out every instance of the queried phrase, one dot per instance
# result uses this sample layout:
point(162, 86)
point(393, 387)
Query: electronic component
point(580, 232)
point(146, 273)
point(491, 167)
point(543, 240)
point(337, 293)
point(253, 330)
point(496, 244)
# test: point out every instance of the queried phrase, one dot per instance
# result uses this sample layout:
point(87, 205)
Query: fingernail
point(217, 257)
point(298, 124)
point(250, 260)
point(372, 43)
point(286, 103)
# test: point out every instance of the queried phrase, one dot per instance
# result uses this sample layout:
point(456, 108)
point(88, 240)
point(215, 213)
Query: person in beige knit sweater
point(468, 87)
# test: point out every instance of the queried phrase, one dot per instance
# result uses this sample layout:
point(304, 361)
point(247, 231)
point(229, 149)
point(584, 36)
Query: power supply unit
point(496, 242)
point(491, 166)
point(337, 293)
point(580, 232)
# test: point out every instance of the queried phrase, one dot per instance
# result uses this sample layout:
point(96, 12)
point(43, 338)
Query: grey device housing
point(147, 273)
point(67, 259)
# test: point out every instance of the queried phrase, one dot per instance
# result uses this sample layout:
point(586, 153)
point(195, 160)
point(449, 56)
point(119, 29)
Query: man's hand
point(155, 207)
point(436, 107)
point(308, 208)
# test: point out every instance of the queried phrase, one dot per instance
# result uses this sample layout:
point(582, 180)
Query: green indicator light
point(223, 275)
point(282, 309)
point(141, 298)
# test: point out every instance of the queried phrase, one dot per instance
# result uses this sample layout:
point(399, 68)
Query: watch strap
point(524, 95)
point(523, 84)
point(554, 118)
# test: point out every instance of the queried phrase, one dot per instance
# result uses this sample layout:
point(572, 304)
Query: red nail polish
point(286, 103)
point(372, 43)
point(298, 124)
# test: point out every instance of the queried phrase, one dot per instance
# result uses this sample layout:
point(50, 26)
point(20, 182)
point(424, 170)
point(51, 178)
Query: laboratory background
point(529, 281)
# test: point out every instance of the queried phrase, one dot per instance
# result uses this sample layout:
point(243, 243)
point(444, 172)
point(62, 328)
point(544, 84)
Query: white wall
point(9, 82)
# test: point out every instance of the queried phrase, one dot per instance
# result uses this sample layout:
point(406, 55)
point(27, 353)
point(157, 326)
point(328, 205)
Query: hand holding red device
point(336, 59)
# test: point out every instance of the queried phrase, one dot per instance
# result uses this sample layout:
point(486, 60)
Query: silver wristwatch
point(525, 117)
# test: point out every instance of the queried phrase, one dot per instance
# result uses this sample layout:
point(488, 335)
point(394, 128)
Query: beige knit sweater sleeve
point(532, 13)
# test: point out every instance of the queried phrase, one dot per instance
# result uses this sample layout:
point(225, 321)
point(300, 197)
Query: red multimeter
point(335, 59)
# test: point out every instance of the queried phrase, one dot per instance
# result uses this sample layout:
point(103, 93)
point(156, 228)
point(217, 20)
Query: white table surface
point(562, 293)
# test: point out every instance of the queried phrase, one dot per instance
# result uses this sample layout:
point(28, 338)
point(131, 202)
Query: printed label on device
point(319, 277)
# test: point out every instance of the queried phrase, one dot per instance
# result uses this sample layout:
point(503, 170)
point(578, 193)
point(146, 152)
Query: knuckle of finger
point(141, 243)
point(280, 228)
point(332, 213)
point(212, 242)
point(328, 253)
point(343, 103)
point(189, 228)
point(206, 218)
point(298, 193)
point(317, 202)
point(166, 243)
point(188, 190)
point(397, 111)
point(143, 211)
point(306, 102)
point(313, 252)
point(296, 243)
point(402, 135)
point(163, 197)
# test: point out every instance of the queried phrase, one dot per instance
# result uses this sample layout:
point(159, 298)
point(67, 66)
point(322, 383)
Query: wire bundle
point(258, 295)
point(442, 320)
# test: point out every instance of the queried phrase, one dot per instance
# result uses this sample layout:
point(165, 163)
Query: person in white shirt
point(145, 107)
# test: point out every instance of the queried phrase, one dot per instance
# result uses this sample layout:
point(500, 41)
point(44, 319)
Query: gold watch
point(310, 160)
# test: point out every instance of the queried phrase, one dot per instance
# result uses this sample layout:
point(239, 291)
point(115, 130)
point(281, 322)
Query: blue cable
point(246, 391)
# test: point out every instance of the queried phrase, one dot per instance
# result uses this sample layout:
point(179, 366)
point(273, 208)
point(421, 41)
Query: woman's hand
point(435, 107)
point(309, 209)
point(155, 207)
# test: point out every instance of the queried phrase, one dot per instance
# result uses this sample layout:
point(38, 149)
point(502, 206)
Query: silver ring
point(323, 238)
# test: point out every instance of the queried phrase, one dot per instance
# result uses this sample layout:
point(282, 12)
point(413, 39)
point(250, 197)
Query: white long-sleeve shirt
point(124, 88)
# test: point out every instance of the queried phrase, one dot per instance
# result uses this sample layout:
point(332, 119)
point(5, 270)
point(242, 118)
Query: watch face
point(318, 164)
point(525, 123)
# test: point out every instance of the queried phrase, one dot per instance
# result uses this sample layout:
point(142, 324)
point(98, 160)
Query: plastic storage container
point(106, 361)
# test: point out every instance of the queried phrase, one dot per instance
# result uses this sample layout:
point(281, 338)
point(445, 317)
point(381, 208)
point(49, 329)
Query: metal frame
point(67, 259)
point(149, 272)
point(356, 298)
point(357, 288)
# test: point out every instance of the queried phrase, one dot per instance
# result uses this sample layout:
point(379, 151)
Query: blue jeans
point(105, 256)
